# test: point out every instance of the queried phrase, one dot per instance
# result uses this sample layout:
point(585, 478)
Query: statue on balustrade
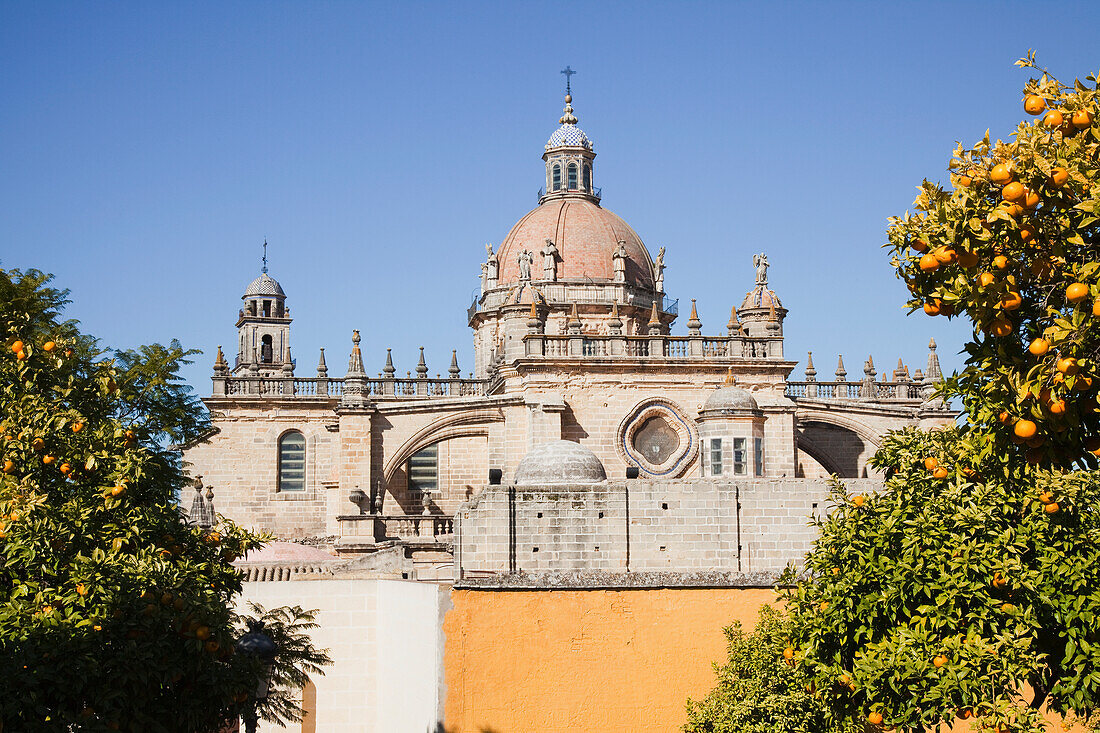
point(619, 262)
point(525, 260)
point(492, 267)
point(760, 262)
point(659, 270)
point(549, 262)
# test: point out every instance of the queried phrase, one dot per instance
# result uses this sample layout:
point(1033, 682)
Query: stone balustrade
point(658, 346)
point(902, 391)
point(375, 528)
point(386, 388)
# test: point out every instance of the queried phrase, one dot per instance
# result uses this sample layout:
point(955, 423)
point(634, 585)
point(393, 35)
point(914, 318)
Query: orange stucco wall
point(585, 660)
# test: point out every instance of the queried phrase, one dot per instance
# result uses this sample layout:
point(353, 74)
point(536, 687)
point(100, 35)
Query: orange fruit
point(1000, 327)
point(1000, 174)
point(211, 646)
point(933, 307)
point(1053, 118)
point(945, 255)
point(1046, 497)
point(1000, 262)
point(1014, 191)
point(930, 463)
point(844, 679)
point(20, 355)
point(117, 490)
point(202, 633)
point(1025, 429)
point(1007, 607)
point(1034, 104)
point(81, 590)
point(1027, 232)
point(1096, 308)
point(1012, 301)
point(1081, 119)
point(48, 346)
point(875, 718)
point(940, 661)
point(963, 180)
point(919, 245)
point(1013, 210)
point(1058, 408)
point(78, 426)
point(65, 469)
point(986, 279)
point(1039, 347)
point(999, 580)
point(1077, 292)
point(1067, 366)
point(836, 570)
point(1051, 508)
point(967, 259)
point(929, 262)
point(788, 653)
point(48, 459)
point(9, 467)
point(858, 500)
point(1031, 200)
point(17, 347)
point(940, 473)
point(1058, 177)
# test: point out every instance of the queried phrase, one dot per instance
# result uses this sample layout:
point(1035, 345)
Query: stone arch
point(461, 425)
point(807, 445)
point(860, 428)
point(840, 443)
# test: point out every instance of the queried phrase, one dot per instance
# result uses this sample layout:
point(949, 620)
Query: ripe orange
point(1046, 497)
point(1067, 366)
point(1000, 174)
point(48, 346)
point(48, 459)
point(1039, 347)
point(875, 718)
point(858, 500)
point(919, 245)
point(117, 490)
point(963, 180)
point(1013, 210)
point(1025, 429)
point(836, 570)
point(1014, 191)
point(1000, 327)
point(202, 633)
point(1058, 177)
point(1031, 199)
point(1051, 508)
point(1081, 119)
point(65, 469)
point(9, 467)
point(986, 279)
point(1034, 104)
point(1077, 292)
point(967, 259)
point(940, 661)
point(1007, 607)
point(1027, 232)
point(1012, 301)
point(17, 347)
point(933, 307)
point(1096, 307)
point(930, 463)
point(788, 653)
point(999, 580)
point(845, 679)
point(1058, 408)
point(78, 426)
point(929, 262)
point(20, 355)
point(1053, 118)
point(81, 590)
point(1000, 262)
point(940, 473)
point(944, 255)
point(211, 646)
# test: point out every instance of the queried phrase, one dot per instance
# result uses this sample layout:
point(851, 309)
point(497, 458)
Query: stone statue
point(492, 267)
point(525, 260)
point(484, 277)
point(659, 270)
point(619, 262)
point(760, 262)
point(549, 262)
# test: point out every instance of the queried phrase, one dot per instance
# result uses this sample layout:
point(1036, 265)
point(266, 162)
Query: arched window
point(572, 176)
point(588, 178)
point(424, 472)
point(557, 177)
point(265, 350)
point(292, 462)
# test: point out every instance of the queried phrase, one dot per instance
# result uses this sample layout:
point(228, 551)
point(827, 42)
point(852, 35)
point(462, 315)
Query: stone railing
point(581, 346)
point(390, 388)
point(373, 528)
point(581, 292)
point(906, 391)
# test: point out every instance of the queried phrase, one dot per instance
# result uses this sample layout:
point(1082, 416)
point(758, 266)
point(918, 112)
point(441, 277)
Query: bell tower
point(263, 327)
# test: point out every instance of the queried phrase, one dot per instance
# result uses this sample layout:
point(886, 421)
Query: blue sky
point(148, 149)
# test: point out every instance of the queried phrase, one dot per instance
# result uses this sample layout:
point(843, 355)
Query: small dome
point(760, 297)
point(730, 399)
point(569, 135)
point(264, 285)
point(560, 462)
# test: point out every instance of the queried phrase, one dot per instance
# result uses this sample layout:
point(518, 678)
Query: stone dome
point(586, 236)
point(760, 297)
point(264, 285)
point(560, 462)
point(569, 135)
point(730, 399)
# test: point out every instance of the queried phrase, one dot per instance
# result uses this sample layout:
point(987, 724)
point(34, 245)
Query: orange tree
point(969, 588)
point(114, 613)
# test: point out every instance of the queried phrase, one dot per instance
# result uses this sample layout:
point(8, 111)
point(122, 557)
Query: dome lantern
point(568, 156)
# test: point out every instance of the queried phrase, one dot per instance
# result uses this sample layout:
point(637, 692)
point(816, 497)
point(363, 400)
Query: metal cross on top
point(568, 73)
point(264, 268)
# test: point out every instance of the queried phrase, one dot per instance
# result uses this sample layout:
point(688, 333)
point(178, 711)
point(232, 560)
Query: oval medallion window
point(657, 438)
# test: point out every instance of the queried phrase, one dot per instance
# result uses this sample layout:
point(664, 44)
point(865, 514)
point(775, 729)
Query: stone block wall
point(685, 526)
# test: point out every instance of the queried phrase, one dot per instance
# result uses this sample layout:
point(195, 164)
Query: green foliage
point(114, 613)
point(994, 575)
point(297, 660)
point(758, 690)
point(1007, 263)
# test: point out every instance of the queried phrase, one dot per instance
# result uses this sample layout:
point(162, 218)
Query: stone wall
point(693, 525)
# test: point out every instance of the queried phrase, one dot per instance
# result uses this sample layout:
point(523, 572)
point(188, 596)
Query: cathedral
point(574, 348)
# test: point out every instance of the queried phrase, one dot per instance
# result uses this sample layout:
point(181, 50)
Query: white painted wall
point(385, 639)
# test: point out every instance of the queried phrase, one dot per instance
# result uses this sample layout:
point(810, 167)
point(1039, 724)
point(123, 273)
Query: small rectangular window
point(424, 471)
point(292, 462)
point(267, 309)
point(758, 455)
point(715, 456)
point(739, 456)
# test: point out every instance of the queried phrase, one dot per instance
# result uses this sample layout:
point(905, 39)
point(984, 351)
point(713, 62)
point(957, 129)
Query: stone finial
point(730, 380)
point(221, 366)
point(389, 370)
point(573, 322)
point(933, 370)
point(615, 324)
point(534, 314)
point(654, 316)
point(918, 376)
point(421, 366)
point(733, 325)
point(811, 373)
point(288, 362)
point(901, 373)
point(322, 367)
point(869, 367)
point(355, 361)
point(534, 323)
point(841, 374)
point(694, 324)
point(773, 320)
point(454, 371)
point(197, 515)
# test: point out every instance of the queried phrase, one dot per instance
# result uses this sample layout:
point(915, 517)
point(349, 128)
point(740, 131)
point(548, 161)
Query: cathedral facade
point(573, 342)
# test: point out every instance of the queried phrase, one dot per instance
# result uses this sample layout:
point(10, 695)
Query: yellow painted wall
point(573, 660)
